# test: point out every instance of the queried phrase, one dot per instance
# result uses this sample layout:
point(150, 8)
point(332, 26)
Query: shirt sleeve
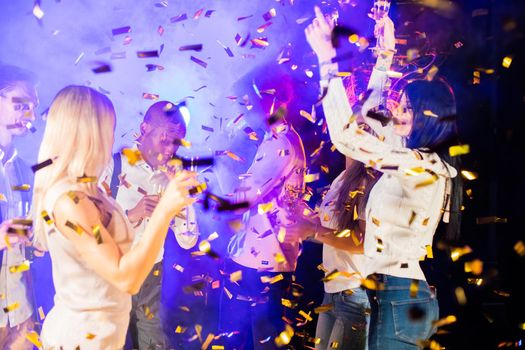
point(412, 167)
point(272, 162)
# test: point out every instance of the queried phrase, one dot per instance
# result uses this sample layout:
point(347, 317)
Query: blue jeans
point(346, 323)
point(400, 320)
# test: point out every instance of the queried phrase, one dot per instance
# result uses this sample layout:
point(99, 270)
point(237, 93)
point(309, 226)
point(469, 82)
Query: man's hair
point(167, 110)
point(11, 76)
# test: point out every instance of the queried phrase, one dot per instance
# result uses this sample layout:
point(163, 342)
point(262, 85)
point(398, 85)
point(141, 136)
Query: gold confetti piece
point(217, 347)
point(322, 268)
point(285, 337)
point(460, 296)
point(323, 308)
point(277, 278)
point(74, 227)
point(132, 155)
point(507, 61)
point(379, 245)
point(343, 74)
point(20, 268)
point(476, 281)
point(282, 234)
point(432, 73)
point(344, 233)
point(306, 316)
point(429, 113)
point(490, 220)
point(430, 254)
point(376, 221)
point(147, 312)
point(11, 307)
point(412, 218)
point(2, 198)
point(279, 258)
point(286, 303)
point(502, 294)
point(90, 336)
point(96, 233)
point(233, 156)
point(355, 239)
point(458, 150)
point(156, 273)
point(213, 236)
point(22, 188)
point(311, 178)
point(41, 313)
point(198, 189)
point(356, 216)
point(519, 248)
point(37, 11)
point(87, 179)
point(208, 341)
point(429, 344)
point(198, 330)
point(204, 246)
point(371, 284)
point(474, 266)
point(456, 253)
point(521, 326)
point(469, 175)
point(331, 275)
point(178, 268)
point(444, 321)
point(307, 115)
point(414, 287)
point(263, 208)
point(334, 345)
point(180, 329)
point(7, 243)
point(228, 293)
point(73, 196)
point(268, 15)
point(34, 339)
point(236, 276)
point(353, 194)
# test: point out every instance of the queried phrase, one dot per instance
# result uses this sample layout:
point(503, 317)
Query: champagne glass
point(380, 11)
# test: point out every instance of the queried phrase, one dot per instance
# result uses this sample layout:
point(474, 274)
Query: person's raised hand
point(319, 36)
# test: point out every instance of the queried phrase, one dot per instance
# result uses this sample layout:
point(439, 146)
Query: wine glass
point(380, 10)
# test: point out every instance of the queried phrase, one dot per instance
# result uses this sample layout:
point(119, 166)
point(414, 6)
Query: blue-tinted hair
point(434, 129)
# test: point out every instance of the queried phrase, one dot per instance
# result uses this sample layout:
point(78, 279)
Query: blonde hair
point(79, 139)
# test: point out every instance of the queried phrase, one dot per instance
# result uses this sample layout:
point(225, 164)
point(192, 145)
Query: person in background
point(262, 253)
point(18, 100)
point(136, 188)
point(95, 267)
point(418, 189)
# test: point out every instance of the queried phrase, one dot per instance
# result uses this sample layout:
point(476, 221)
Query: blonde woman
point(95, 270)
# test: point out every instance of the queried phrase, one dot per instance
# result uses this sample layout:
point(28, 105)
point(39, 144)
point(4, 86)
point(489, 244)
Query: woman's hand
point(319, 36)
point(8, 239)
point(384, 32)
point(176, 196)
point(301, 229)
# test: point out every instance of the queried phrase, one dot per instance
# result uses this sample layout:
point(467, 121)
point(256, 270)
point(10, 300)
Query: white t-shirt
point(351, 265)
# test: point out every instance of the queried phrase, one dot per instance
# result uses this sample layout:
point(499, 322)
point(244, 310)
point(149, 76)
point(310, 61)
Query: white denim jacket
point(405, 206)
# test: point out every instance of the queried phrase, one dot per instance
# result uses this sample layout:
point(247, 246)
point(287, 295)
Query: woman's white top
point(351, 267)
point(89, 312)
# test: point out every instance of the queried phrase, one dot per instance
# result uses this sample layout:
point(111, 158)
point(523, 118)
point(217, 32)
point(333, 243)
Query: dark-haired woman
point(406, 205)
